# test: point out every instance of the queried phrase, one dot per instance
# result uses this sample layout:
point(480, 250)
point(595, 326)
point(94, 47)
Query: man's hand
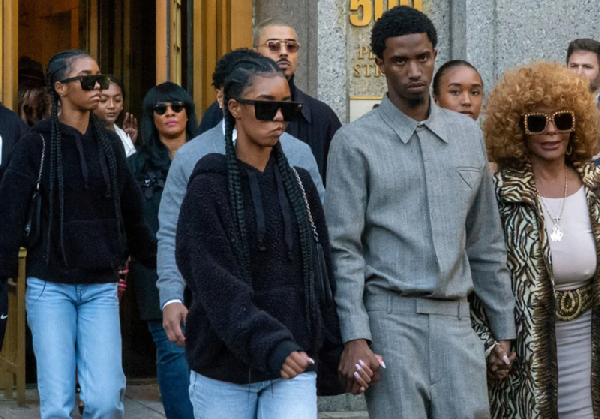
point(296, 363)
point(359, 366)
point(173, 315)
point(500, 360)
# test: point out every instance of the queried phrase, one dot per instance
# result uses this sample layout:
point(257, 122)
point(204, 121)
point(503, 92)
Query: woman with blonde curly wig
point(542, 130)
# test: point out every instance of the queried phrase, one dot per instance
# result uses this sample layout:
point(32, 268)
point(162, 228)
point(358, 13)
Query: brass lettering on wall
point(364, 11)
point(368, 69)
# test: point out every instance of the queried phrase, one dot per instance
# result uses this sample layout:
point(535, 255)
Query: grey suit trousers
point(435, 361)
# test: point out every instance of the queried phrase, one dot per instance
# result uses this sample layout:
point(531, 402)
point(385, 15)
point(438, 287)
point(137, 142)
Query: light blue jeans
point(76, 325)
point(274, 399)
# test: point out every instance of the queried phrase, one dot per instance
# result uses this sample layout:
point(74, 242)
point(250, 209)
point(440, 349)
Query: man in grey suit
point(415, 229)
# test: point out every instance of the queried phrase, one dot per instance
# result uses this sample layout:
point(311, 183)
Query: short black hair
point(437, 79)
point(584, 44)
point(227, 63)
point(400, 21)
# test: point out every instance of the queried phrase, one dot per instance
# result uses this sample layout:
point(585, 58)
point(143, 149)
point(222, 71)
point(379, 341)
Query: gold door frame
point(9, 52)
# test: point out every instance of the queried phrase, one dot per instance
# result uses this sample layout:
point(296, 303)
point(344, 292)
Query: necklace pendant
point(557, 234)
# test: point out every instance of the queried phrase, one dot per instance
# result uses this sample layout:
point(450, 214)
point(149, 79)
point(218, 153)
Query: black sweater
point(237, 331)
point(92, 246)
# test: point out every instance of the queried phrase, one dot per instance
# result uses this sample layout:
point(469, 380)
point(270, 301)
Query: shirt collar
point(405, 126)
point(299, 96)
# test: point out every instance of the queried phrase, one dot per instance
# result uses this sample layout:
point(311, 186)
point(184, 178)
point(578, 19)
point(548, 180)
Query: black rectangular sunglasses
point(161, 108)
point(89, 82)
point(265, 110)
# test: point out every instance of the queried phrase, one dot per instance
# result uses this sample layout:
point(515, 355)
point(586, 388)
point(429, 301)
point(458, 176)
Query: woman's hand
point(295, 364)
point(500, 360)
point(130, 126)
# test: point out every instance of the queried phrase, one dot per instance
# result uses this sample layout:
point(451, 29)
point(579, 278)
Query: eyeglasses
point(537, 122)
point(265, 110)
point(89, 82)
point(161, 108)
point(274, 45)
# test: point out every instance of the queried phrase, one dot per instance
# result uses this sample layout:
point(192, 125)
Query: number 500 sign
point(363, 11)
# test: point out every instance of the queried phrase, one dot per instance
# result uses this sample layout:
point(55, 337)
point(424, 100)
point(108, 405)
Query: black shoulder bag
point(328, 359)
point(32, 232)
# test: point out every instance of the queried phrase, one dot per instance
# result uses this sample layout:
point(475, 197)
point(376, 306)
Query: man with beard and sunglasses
point(414, 230)
point(171, 284)
point(277, 39)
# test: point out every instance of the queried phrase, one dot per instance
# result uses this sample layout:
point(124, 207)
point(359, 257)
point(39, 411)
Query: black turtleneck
point(91, 250)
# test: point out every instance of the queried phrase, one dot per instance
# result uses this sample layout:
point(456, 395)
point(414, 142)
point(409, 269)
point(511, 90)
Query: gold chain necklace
point(557, 233)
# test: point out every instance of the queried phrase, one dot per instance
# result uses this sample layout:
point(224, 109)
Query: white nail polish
point(356, 375)
point(361, 362)
point(382, 363)
point(312, 361)
point(358, 367)
point(506, 360)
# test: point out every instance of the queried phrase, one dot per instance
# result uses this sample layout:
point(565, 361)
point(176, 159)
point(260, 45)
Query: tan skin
point(171, 128)
point(109, 109)
point(76, 103)
point(287, 61)
point(461, 90)
point(586, 63)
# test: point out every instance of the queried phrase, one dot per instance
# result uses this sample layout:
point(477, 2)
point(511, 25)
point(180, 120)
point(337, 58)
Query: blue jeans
point(173, 374)
point(273, 399)
point(76, 325)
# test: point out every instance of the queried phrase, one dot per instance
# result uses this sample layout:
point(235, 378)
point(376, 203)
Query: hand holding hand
point(500, 360)
point(359, 366)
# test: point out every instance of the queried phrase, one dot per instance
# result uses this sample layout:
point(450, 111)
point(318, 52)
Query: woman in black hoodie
point(262, 311)
point(91, 213)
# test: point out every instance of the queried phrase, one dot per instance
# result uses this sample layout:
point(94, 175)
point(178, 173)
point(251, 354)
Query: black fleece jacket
point(93, 249)
point(241, 330)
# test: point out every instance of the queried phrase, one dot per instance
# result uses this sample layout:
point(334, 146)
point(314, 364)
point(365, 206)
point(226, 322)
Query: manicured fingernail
point(506, 360)
point(382, 363)
point(362, 389)
point(358, 368)
point(356, 375)
point(312, 361)
point(360, 361)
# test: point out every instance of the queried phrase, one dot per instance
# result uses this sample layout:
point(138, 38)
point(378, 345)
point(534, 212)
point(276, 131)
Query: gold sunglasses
point(537, 122)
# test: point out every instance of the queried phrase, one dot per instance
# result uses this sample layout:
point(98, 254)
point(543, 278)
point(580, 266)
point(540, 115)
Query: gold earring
point(569, 149)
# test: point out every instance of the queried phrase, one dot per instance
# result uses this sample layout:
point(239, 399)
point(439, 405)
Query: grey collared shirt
point(411, 209)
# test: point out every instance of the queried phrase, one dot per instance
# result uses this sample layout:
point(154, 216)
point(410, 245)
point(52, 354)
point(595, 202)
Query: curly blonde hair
point(522, 89)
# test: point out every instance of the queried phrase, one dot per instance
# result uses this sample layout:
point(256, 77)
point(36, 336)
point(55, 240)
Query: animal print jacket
point(530, 391)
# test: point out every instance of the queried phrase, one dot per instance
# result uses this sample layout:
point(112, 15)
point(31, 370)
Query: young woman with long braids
point(91, 212)
point(245, 246)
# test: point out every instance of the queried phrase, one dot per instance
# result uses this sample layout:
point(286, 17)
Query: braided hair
point(240, 78)
point(58, 69)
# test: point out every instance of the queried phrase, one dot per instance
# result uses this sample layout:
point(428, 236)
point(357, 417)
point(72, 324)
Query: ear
point(435, 100)
point(434, 54)
point(235, 108)
point(61, 88)
point(379, 63)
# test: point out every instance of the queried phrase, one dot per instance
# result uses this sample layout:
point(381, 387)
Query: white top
point(0, 149)
point(127, 143)
point(574, 258)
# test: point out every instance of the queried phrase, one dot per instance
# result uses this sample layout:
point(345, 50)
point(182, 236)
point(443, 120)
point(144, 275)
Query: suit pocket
point(470, 175)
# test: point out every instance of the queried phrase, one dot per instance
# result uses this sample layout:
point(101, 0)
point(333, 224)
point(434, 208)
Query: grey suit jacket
point(170, 282)
point(410, 208)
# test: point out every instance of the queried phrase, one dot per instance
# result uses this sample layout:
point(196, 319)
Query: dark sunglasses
point(274, 45)
point(89, 82)
point(265, 110)
point(161, 108)
point(537, 122)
